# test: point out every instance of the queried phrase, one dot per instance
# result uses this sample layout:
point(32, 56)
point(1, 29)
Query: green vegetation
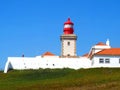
point(61, 79)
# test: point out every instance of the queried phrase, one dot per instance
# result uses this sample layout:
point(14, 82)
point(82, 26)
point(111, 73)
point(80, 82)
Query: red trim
point(68, 30)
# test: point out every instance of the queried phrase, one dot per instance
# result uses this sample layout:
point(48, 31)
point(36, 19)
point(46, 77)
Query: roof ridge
point(100, 43)
point(48, 54)
point(109, 51)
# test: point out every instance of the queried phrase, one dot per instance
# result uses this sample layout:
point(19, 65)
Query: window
point(53, 64)
point(68, 55)
point(107, 60)
point(68, 43)
point(119, 60)
point(101, 60)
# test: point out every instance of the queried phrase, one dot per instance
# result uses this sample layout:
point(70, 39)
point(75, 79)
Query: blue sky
point(32, 27)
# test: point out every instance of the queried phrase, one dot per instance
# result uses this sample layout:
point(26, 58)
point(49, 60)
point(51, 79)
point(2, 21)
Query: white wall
point(114, 61)
point(97, 48)
point(21, 63)
point(69, 49)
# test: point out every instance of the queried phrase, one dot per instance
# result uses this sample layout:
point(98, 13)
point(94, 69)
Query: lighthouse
point(68, 40)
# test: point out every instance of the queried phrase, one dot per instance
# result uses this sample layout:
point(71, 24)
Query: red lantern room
point(68, 27)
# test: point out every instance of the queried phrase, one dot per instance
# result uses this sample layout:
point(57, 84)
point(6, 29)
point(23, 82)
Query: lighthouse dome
point(68, 27)
point(68, 22)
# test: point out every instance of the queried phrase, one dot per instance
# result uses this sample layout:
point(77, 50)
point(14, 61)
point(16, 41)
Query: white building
point(100, 55)
point(106, 58)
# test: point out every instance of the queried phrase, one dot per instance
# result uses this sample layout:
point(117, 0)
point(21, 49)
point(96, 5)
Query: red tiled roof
point(111, 51)
point(48, 54)
point(101, 44)
point(85, 55)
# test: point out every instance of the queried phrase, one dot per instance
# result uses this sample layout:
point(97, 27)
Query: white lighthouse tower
point(68, 40)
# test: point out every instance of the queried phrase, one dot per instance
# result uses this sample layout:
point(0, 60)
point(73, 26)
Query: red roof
point(48, 54)
point(111, 51)
point(68, 22)
point(101, 44)
point(85, 55)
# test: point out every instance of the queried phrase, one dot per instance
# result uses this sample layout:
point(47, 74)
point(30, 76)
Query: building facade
point(100, 55)
point(106, 58)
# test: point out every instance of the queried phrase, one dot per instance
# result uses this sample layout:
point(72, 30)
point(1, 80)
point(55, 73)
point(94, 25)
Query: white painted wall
point(69, 49)
point(98, 48)
point(52, 62)
point(114, 61)
point(21, 63)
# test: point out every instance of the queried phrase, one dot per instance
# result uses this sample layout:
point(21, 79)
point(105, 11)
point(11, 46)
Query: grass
point(61, 79)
